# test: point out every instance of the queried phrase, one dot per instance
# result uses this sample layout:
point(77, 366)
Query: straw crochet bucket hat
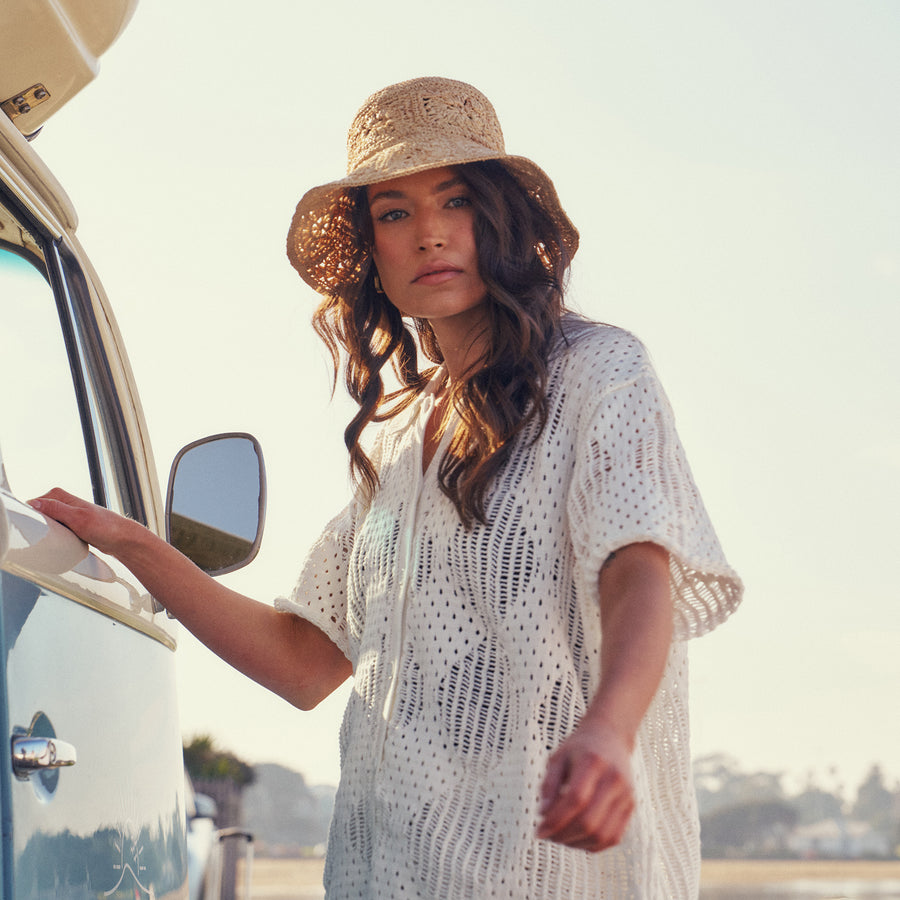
point(405, 128)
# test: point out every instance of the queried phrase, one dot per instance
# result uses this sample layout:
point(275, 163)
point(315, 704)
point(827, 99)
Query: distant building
point(838, 838)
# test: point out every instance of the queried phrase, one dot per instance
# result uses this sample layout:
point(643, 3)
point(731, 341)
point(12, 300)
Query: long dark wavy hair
point(524, 264)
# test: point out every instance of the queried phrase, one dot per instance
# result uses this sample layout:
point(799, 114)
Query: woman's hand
point(105, 530)
point(587, 797)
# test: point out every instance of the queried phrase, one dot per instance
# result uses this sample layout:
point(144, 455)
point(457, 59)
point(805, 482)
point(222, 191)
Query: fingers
point(54, 496)
point(91, 523)
point(604, 823)
point(553, 781)
point(585, 804)
point(57, 503)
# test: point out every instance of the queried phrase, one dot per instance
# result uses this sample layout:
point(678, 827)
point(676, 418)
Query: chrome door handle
point(38, 754)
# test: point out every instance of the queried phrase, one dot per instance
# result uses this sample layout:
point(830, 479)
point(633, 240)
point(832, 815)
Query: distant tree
point(714, 770)
point(721, 784)
point(814, 804)
point(747, 829)
point(204, 761)
point(875, 804)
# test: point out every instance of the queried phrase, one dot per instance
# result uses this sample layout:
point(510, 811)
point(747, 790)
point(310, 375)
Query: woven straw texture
point(406, 128)
point(476, 651)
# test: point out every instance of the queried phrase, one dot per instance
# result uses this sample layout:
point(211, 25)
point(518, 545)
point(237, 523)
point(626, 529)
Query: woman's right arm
point(283, 652)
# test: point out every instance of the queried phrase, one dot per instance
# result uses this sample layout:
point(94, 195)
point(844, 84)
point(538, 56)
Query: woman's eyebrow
point(387, 195)
point(396, 194)
point(456, 181)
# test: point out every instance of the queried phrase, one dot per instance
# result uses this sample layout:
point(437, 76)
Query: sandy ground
point(760, 871)
point(280, 879)
point(301, 879)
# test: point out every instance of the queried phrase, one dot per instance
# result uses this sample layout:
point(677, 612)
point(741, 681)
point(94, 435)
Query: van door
point(94, 790)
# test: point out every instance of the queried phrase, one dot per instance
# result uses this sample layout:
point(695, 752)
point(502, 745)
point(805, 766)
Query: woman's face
point(425, 251)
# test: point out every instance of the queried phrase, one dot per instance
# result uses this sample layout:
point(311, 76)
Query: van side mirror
point(216, 502)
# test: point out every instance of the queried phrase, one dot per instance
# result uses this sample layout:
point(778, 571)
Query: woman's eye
point(392, 215)
point(458, 202)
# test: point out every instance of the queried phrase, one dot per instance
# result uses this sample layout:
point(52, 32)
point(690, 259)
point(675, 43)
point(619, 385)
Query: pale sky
point(733, 169)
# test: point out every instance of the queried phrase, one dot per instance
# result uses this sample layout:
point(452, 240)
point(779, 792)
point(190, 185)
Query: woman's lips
point(436, 274)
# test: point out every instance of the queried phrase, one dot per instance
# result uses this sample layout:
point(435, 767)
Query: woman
point(525, 554)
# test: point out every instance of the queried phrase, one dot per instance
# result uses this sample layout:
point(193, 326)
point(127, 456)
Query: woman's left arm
point(587, 797)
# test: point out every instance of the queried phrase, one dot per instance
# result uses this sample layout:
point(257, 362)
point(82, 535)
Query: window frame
point(97, 398)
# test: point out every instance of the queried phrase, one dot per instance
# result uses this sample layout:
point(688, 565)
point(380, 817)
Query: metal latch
point(26, 101)
point(38, 754)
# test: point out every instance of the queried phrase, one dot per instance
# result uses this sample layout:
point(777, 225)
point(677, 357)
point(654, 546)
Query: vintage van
point(92, 792)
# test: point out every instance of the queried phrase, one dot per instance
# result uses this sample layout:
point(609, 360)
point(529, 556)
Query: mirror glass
point(216, 502)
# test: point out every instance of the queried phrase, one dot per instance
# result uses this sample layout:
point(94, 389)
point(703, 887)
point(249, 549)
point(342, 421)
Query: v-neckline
point(430, 440)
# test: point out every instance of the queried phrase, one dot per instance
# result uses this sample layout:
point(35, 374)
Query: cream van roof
point(50, 49)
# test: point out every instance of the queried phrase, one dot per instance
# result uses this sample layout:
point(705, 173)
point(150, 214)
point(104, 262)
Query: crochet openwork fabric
point(476, 651)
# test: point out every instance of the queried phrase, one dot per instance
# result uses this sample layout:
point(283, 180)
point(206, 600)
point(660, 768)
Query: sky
point(733, 170)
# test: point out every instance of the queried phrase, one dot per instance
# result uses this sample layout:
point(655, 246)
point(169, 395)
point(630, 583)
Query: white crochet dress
point(476, 651)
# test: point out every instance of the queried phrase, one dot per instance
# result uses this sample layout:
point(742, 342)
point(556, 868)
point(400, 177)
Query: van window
point(41, 438)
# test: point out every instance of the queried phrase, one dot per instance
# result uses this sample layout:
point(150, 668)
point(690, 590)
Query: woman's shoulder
point(600, 355)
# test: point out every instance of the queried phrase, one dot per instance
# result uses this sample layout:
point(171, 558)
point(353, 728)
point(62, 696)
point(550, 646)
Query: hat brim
point(321, 242)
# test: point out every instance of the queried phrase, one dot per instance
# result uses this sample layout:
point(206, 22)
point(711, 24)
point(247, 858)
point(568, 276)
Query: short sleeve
point(632, 483)
point(320, 595)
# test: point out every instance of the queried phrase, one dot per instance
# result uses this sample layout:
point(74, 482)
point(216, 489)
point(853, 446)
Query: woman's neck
point(463, 341)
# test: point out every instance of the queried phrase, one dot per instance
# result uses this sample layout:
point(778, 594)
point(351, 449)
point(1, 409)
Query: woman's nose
point(431, 234)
